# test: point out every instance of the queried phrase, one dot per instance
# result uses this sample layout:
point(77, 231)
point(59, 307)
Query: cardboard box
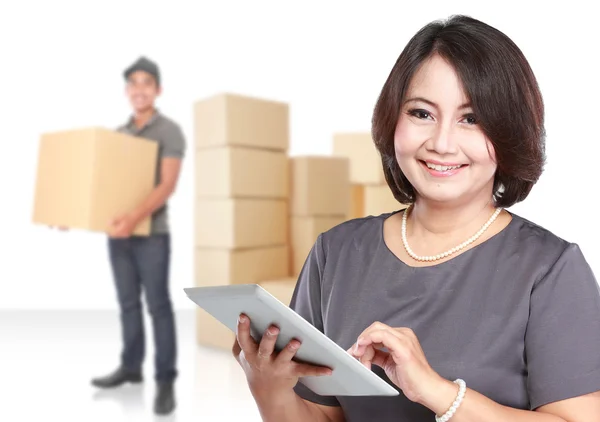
point(238, 223)
point(304, 233)
point(242, 266)
point(210, 332)
point(237, 120)
point(357, 202)
point(282, 289)
point(87, 177)
point(365, 160)
point(380, 200)
point(320, 186)
point(238, 172)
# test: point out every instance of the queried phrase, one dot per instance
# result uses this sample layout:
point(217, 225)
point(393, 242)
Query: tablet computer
point(349, 377)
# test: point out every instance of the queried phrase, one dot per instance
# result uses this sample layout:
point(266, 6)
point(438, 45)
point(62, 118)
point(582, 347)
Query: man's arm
point(173, 151)
point(170, 169)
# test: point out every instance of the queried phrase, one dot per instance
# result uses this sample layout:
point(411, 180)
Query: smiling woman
point(455, 92)
point(438, 136)
point(471, 311)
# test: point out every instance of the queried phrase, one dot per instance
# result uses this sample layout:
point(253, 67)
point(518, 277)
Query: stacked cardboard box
point(370, 193)
point(86, 177)
point(242, 198)
point(260, 211)
point(320, 200)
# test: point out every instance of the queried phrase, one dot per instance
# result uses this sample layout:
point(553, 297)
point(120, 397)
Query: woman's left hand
point(404, 361)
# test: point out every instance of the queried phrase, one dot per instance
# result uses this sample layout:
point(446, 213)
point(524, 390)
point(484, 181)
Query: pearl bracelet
point(462, 389)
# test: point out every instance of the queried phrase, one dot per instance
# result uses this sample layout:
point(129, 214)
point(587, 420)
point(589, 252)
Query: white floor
point(48, 358)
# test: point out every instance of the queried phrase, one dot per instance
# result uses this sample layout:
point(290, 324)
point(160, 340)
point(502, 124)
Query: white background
point(61, 66)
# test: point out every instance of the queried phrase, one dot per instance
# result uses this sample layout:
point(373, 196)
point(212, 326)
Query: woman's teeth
point(441, 168)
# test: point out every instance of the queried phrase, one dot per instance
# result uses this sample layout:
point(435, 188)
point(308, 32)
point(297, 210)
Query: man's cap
point(145, 64)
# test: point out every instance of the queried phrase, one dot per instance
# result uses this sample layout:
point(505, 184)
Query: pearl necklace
point(450, 251)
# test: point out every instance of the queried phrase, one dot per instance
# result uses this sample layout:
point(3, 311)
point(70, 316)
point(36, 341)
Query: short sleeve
point(306, 301)
point(562, 342)
point(173, 142)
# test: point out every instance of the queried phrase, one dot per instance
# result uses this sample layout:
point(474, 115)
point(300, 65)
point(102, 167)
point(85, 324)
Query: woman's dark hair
point(503, 92)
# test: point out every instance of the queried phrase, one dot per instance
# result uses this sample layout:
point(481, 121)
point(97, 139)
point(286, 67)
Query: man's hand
point(122, 226)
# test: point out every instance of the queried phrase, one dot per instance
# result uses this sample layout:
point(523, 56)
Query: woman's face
point(439, 145)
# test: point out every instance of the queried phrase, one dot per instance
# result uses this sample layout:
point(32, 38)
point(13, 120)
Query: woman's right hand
point(268, 371)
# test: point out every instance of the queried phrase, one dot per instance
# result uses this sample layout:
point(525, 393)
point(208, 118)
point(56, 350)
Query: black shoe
point(164, 402)
point(117, 378)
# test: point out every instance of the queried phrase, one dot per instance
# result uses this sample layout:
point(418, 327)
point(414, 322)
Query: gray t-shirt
point(517, 317)
point(171, 143)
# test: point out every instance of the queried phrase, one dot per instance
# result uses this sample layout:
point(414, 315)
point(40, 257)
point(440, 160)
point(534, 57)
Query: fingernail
point(273, 330)
point(242, 319)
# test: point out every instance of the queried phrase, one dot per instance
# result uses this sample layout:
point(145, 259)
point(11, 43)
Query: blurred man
point(142, 263)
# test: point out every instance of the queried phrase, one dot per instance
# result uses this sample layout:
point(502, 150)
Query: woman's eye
point(471, 119)
point(420, 114)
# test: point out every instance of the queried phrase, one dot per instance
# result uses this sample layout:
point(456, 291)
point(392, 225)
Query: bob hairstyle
point(503, 92)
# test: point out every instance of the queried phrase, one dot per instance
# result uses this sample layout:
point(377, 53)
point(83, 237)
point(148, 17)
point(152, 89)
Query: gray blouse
point(517, 317)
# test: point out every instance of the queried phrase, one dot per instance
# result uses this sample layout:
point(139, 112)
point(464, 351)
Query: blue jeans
point(142, 263)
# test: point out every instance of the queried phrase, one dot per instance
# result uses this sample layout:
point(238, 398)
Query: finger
point(245, 340)
point(361, 347)
point(379, 358)
point(383, 338)
point(376, 327)
point(359, 350)
point(267, 343)
point(377, 336)
point(367, 356)
point(308, 370)
point(405, 331)
point(370, 353)
point(288, 352)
